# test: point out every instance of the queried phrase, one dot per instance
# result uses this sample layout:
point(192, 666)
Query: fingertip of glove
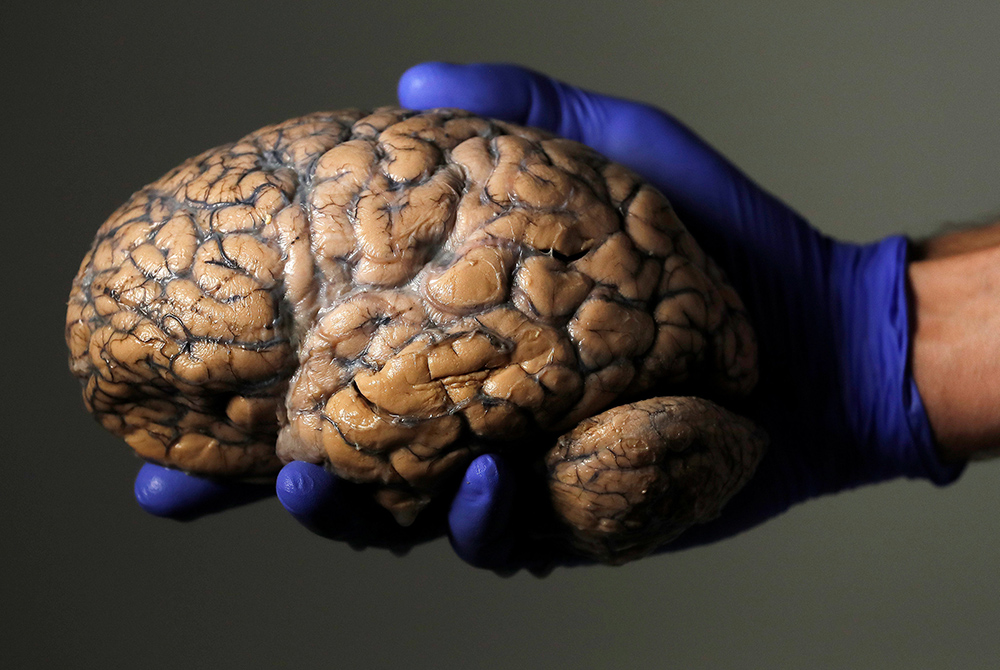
point(479, 511)
point(419, 87)
point(173, 494)
point(304, 488)
point(491, 89)
point(482, 477)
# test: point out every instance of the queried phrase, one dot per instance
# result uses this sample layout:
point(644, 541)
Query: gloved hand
point(836, 393)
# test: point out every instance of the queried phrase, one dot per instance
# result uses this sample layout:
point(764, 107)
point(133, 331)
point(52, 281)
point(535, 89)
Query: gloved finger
point(693, 175)
point(341, 510)
point(177, 495)
point(498, 522)
point(317, 499)
point(479, 517)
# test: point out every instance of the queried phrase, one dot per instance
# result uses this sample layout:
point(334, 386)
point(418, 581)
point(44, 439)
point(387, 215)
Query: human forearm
point(955, 281)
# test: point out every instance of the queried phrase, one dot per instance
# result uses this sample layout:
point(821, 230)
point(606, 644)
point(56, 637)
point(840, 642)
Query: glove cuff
point(885, 403)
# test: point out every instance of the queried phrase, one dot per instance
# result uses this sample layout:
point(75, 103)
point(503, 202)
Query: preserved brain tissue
point(390, 293)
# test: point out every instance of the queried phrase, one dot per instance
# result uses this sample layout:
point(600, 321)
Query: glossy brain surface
point(388, 293)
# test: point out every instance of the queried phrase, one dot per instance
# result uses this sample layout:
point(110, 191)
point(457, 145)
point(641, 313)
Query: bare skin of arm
point(955, 283)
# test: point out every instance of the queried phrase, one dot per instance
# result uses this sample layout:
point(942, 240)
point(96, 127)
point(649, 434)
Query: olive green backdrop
point(868, 120)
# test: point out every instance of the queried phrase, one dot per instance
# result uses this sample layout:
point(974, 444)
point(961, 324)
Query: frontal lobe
point(182, 317)
point(389, 293)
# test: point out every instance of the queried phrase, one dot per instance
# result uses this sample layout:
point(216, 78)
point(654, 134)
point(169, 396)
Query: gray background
point(868, 120)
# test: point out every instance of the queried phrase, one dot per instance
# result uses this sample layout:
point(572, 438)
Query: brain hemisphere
point(388, 293)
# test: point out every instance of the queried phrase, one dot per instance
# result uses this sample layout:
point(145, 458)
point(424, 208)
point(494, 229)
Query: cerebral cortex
point(390, 293)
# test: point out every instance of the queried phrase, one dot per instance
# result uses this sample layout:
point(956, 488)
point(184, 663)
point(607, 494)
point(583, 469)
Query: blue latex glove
point(836, 393)
point(175, 495)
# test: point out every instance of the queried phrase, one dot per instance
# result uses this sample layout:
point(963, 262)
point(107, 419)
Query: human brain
point(390, 293)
